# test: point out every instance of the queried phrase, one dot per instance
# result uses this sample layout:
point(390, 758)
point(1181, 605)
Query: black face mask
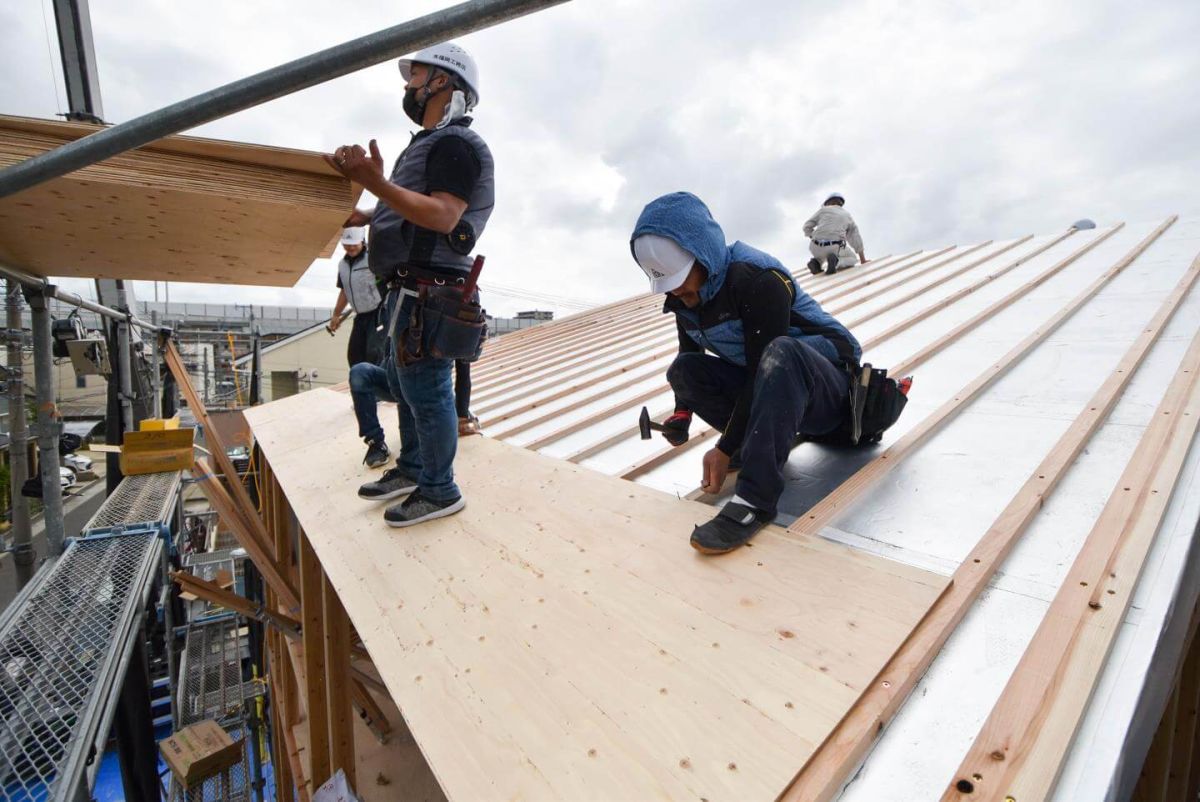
point(415, 109)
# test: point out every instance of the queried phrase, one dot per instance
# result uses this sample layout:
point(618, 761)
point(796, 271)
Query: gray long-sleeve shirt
point(833, 223)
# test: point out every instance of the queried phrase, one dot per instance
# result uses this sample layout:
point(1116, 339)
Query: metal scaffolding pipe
point(302, 73)
point(48, 425)
point(18, 465)
point(37, 284)
point(125, 362)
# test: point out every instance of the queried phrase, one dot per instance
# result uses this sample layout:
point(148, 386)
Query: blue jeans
point(368, 386)
point(796, 391)
point(428, 423)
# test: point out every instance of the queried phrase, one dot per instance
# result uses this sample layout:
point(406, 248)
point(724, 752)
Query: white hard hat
point(835, 196)
point(451, 58)
point(663, 261)
point(355, 235)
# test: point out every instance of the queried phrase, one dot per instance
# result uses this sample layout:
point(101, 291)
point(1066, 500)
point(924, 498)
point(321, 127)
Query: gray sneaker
point(394, 483)
point(416, 508)
point(377, 453)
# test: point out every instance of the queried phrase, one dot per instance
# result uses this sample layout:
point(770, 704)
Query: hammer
point(645, 425)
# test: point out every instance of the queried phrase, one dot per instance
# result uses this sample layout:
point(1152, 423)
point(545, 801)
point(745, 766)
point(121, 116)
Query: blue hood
point(684, 218)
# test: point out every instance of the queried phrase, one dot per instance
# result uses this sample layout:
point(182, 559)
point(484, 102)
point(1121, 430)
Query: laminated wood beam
point(1019, 750)
point(337, 683)
point(822, 777)
point(316, 693)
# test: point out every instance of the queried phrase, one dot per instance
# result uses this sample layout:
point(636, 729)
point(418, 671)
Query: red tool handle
point(473, 279)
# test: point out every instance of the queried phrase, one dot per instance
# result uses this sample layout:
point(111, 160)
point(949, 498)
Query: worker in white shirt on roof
point(358, 287)
point(831, 230)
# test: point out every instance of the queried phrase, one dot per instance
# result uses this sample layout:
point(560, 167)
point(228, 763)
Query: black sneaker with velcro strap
point(733, 527)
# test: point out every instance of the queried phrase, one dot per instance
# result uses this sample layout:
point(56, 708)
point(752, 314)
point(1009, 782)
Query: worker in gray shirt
point(831, 230)
point(358, 288)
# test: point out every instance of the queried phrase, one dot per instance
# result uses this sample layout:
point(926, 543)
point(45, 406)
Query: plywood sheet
point(559, 639)
point(182, 209)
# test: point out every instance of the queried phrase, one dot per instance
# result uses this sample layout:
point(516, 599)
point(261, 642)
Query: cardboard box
point(159, 424)
point(199, 751)
point(157, 451)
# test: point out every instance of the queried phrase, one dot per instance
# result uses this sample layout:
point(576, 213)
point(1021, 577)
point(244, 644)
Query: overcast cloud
point(942, 123)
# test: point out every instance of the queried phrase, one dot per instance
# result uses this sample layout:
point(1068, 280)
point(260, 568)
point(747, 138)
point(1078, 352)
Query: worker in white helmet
point(358, 289)
point(835, 237)
point(431, 211)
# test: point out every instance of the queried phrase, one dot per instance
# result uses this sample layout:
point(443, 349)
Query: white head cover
point(355, 235)
point(453, 59)
point(663, 261)
point(835, 196)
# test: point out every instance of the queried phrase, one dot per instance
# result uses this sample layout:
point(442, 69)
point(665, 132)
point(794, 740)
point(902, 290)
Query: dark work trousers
point(462, 388)
point(360, 338)
point(796, 391)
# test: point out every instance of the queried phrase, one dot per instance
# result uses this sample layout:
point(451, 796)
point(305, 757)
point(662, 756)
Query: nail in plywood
point(558, 638)
point(181, 209)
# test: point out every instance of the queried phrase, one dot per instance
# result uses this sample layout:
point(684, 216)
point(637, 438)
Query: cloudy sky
point(939, 122)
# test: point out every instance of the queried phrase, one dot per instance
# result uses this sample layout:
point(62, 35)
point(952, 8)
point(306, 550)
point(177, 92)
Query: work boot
point(814, 267)
point(395, 482)
point(416, 509)
point(377, 453)
point(832, 261)
point(468, 426)
point(734, 525)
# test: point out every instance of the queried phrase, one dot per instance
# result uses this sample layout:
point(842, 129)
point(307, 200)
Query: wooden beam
point(550, 415)
point(337, 683)
point(540, 380)
point(317, 706)
point(954, 297)
point(822, 777)
point(250, 540)
point(594, 418)
point(215, 594)
point(1044, 699)
point(1152, 784)
point(212, 438)
point(883, 290)
point(1183, 750)
point(867, 476)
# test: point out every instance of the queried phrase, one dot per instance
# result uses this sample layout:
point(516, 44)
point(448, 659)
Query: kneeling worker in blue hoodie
point(777, 367)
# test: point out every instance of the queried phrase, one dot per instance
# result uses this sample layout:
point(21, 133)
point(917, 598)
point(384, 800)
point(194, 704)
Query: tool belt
point(875, 401)
point(440, 324)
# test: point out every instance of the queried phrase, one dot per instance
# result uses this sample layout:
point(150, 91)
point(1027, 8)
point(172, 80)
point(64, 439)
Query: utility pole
point(18, 466)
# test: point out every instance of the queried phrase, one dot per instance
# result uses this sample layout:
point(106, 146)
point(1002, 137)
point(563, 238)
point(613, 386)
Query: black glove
point(675, 428)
